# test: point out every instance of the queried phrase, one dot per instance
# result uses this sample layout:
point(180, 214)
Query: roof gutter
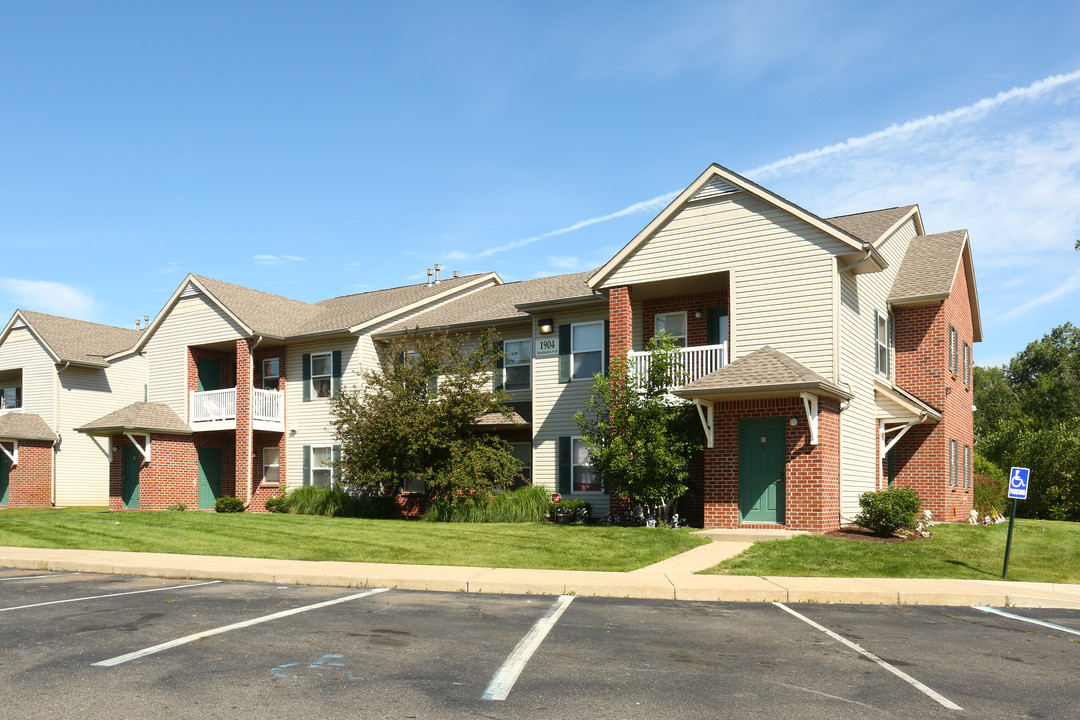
point(868, 249)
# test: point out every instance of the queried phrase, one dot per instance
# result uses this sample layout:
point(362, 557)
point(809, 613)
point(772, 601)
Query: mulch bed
point(854, 532)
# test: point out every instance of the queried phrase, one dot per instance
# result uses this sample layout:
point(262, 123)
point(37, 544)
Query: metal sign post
point(1018, 488)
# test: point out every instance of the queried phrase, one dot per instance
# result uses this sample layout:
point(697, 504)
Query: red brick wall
point(30, 482)
point(172, 475)
point(228, 367)
point(262, 439)
point(245, 381)
point(697, 328)
point(921, 457)
point(621, 322)
point(812, 472)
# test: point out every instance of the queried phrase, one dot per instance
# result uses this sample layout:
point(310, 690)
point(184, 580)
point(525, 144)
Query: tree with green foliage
point(640, 437)
point(416, 419)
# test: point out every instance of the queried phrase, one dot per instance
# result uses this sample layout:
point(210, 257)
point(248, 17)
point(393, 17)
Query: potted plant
point(572, 512)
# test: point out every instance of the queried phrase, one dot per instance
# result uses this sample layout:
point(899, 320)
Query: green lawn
point(304, 537)
point(1042, 551)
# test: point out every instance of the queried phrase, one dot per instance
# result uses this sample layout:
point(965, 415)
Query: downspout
point(868, 249)
point(56, 415)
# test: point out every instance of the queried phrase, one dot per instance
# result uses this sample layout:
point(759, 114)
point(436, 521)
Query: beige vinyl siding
point(554, 406)
point(308, 423)
point(194, 320)
point(782, 272)
point(85, 394)
point(860, 296)
point(22, 350)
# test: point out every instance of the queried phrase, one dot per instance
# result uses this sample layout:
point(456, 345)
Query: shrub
point(229, 504)
point(277, 504)
point(178, 507)
point(887, 511)
point(527, 504)
point(991, 488)
point(577, 509)
point(335, 502)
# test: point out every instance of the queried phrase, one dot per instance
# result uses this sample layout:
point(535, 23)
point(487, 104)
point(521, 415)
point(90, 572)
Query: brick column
point(245, 381)
point(621, 319)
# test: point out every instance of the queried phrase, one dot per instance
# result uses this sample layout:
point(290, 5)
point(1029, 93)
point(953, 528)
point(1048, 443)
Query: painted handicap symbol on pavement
point(326, 662)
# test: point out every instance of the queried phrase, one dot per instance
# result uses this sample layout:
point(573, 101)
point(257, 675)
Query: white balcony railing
point(694, 362)
point(216, 409)
point(5, 411)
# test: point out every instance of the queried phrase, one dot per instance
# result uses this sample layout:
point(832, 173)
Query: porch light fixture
point(793, 421)
point(697, 314)
point(547, 326)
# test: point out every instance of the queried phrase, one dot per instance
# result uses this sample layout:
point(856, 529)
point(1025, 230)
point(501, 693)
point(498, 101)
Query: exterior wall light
point(547, 326)
point(793, 421)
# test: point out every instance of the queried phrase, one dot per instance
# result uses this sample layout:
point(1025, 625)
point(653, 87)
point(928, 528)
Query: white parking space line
point(941, 699)
point(1002, 613)
point(98, 597)
point(35, 577)
point(120, 659)
point(508, 674)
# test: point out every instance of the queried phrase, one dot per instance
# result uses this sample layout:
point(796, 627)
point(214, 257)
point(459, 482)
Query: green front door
point(209, 477)
point(209, 374)
point(130, 484)
point(5, 467)
point(761, 470)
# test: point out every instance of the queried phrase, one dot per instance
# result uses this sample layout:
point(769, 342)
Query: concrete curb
point(646, 583)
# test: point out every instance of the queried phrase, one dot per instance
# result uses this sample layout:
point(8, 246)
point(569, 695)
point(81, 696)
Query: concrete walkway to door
point(725, 544)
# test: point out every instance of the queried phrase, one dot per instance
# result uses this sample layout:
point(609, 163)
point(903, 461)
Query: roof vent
point(457, 274)
point(429, 283)
point(715, 188)
point(438, 268)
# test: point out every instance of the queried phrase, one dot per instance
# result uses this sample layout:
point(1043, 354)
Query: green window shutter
point(18, 397)
point(335, 455)
point(499, 378)
point(607, 345)
point(562, 463)
point(714, 315)
point(307, 385)
point(564, 354)
point(335, 371)
point(307, 463)
point(877, 342)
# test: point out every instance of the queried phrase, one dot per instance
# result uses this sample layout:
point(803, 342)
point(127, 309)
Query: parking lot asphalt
point(672, 579)
point(88, 646)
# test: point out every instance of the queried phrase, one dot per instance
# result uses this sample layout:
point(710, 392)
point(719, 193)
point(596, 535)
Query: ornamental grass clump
point(885, 512)
point(529, 504)
point(335, 502)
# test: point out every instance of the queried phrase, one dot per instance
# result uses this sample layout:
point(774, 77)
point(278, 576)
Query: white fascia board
point(491, 277)
point(33, 331)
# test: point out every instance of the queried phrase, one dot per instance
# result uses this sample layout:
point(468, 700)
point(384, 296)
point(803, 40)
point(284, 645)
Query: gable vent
point(715, 188)
point(190, 290)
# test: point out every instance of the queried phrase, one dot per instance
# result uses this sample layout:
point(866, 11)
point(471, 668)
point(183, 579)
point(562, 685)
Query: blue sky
point(324, 148)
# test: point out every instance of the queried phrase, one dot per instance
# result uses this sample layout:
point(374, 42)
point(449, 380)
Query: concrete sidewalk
point(672, 582)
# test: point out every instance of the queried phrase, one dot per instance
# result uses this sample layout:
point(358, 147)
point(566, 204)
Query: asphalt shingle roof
point(929, 267)
point(139, 417)
point(765, 369)
point(497, 303)
point(869, 226)
point(25, 426)
point(80, 341)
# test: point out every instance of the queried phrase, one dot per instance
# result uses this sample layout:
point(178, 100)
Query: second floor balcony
point(216, 410)
point(694, 362)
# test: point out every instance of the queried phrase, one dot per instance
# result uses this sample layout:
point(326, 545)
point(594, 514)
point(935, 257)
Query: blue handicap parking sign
point(1018, 483)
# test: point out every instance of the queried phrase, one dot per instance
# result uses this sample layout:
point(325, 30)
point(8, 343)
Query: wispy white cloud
point(276, 259)
point(564, 262)
point(50, 297)
point(1035, 90)
point(1071, 285)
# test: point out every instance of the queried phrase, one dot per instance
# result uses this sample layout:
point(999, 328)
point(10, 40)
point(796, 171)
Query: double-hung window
point(587, 349)
point(517, 364)
point(271, 374)
point(321, 457)
point(271, 466)
point(883, 342)
point(674, 324)
point(322, 369)
point(952, 463)
point(584, 476)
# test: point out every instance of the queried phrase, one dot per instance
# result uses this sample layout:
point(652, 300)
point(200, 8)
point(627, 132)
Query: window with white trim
point(271, 466)
point(587, 350)
point(517, 364)
point(952, 349)
point(522, 452)
point(583, 476)
point(882, 335)
point(412, 484)
point(322, 368)
point(10, 398)
point(952, 462)
point(271, 374)
point(321, 457)
point(967, 466)
point(674, 324)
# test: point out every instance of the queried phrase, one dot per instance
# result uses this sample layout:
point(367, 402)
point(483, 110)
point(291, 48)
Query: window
point(584, 476)
point(321, 374)
point(967, 364)
point(881, 333)
point(587, 349)
point(517, 364)
point(271, 467)
point(271, 374)
point(673, 324)
point(967, 466)
point(321, 457)
point(412, 484)
point(952, 349)
point(10, 398)
point(522, 452)
point(952, 462)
